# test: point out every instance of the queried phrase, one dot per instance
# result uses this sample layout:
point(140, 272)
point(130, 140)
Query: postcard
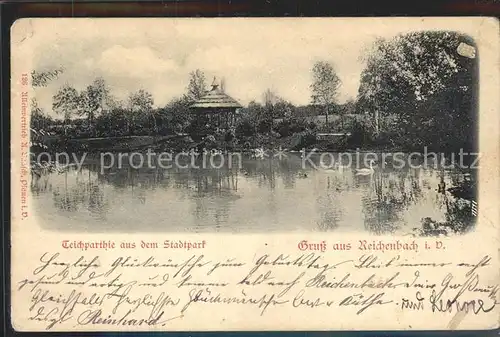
point(255, 174)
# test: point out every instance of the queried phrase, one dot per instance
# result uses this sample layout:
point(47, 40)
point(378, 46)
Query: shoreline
point(158, 143)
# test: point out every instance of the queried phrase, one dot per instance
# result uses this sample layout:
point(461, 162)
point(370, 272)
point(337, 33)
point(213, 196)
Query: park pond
point(257, 195)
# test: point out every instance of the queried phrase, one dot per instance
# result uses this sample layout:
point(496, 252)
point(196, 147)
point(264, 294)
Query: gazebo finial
point(214, 84)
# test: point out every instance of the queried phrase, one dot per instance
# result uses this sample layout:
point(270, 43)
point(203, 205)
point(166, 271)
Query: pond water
point(256, 195)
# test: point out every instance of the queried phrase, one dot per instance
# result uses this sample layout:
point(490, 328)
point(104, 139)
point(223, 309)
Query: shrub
point(245, 128)
point(361, 135)
point(288, 127)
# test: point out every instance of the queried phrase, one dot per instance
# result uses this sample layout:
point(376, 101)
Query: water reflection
point(81, 192)
point(261, 195)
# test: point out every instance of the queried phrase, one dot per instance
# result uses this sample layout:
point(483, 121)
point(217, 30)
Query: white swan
point(366, 171)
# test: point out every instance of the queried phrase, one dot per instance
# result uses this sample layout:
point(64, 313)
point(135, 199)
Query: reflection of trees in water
point(456, 201)
point(388, 195)
point(330, 203)
point(214, 182)
point(263, 171)
point(211, 190)
point(96, 201)
point(210, 193)
point(85, 192)
point(219, 213)
point(129, 177)
point(201, 181)
point(288, 173)
point(40, 184)
point(268, 171)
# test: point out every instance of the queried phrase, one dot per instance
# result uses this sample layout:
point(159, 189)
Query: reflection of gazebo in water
point(216, 110)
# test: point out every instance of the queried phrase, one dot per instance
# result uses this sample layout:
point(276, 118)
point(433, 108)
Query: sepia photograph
point(202, 128)
point(254, 174)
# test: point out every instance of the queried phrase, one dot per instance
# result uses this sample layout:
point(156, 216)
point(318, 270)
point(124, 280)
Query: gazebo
point(217, 109)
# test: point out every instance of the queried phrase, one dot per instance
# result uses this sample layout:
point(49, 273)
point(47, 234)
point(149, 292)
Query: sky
point(157, 55)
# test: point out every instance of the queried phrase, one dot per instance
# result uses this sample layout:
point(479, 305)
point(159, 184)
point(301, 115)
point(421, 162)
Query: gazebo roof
point(216, 98)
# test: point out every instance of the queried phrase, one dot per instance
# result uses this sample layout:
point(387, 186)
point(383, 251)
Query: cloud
point(225, 58)
point(253, 54)
point(137, 62)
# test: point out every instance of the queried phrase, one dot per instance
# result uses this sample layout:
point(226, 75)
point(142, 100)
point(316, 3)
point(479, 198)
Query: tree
point(38, 119)
point(267, 117)
point(94, 100)
point(349, 107)
point(35, 108)
point(274, 107)
point(65, 101)
point(196, 87)
point(175, 116)
point(141, 100)
point(342, 110)
point(325, 85)
point(269, 97)
point(283, 109)
point(42, 78)
point(421, 83)
point(141, 103)
point(114, 123)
